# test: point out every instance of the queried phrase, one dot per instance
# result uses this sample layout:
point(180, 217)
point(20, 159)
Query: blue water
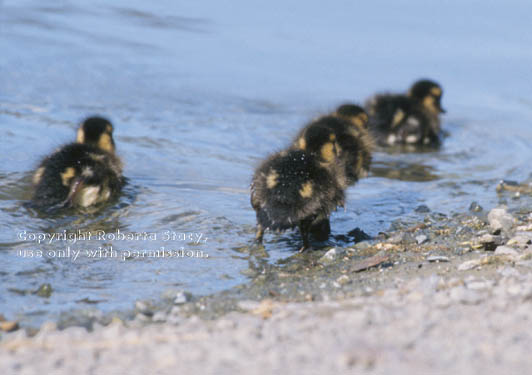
point(200, 92)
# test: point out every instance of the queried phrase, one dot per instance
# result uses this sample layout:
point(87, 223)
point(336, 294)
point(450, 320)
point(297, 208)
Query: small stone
point(159, 317)
point(506, 250)
point(397, 238)
point(500, 220)
point(342, 280)
point(470, 264)
point(521, 239)
point(8, 326)
point(182, 297)
point(488, 242)
point(265, 309)
point(45, 290)
point(475, 207)
point(144, 307)
point(437, 258)
point(359, 235)
point(330, 256)
point(422, 208)
point(248, 305)
point(421, 239)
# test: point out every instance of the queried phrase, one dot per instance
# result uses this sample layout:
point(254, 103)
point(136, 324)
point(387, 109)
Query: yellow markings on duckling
point(428, 103)
point(105, 142)
point(37, 176)
point(301, 143)
point(354, 132)
point(398, 116)
point(67, 175)
point(327, 152)
point(80, 136)
point(306, 190)
point(436, 91)
point(332, 137)
point(96, 157)
point(271, 179)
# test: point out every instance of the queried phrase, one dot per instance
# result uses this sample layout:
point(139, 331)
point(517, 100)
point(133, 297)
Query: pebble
point(525, 228)
point(422, 208)
point(437, 258)
point(182, 297)
point(330, 256)
point(521, 239)
point(506, 250)
point(8, 326)
point(500, 220)
point(144, 307)
point(475, 207)
point(421, 239)
point(470, 264)
point(342, 280)
point(489, 242)
point(159, 317)
point(45, 290)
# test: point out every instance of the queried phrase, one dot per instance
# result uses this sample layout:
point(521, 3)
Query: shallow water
point(200, 93)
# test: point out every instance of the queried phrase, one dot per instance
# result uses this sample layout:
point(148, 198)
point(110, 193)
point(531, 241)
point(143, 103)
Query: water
point(200, 92)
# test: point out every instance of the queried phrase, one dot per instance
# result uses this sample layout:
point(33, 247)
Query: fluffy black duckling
point(346, 129)
point(407, 119)
point(296, 188)
point(348, 124)
point(80, 174)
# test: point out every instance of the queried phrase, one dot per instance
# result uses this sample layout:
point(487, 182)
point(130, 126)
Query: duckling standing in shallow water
point(407, 119)
point(80, 174)
point(298, 188)
point(347, 126)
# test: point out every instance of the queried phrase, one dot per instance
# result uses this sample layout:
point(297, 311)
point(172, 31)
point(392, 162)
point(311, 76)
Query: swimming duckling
point(407, 119)
point(295, 188)
point(80, 174)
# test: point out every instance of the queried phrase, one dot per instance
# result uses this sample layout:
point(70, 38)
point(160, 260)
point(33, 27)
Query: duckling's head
point(97, 131)
point(429, 93)
point(321, 142)
point(354, 114)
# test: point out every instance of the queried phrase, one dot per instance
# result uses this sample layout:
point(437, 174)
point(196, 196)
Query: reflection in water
point(398, 170)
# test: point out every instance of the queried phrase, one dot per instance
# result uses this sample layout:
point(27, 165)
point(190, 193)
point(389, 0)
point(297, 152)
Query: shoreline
point(449, 294)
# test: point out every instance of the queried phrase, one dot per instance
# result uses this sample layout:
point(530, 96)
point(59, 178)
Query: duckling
point(411, 118)
point(346, 129)
point(80, 174)
point(296, 188)
point(348, 125)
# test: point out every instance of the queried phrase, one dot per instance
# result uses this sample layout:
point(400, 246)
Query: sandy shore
point(465, 314)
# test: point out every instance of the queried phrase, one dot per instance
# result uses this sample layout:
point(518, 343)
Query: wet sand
point(449, 295)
